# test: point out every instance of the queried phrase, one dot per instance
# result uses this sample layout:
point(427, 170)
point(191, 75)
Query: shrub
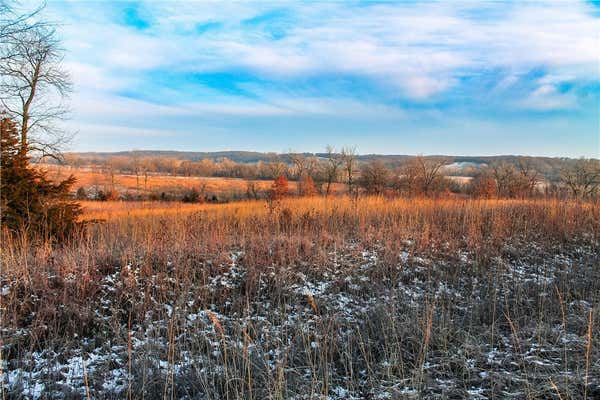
point(484, 186)
point(279, 189)
point(374, 177)
point(81, 193)
point(191, 196)
point(306, 186)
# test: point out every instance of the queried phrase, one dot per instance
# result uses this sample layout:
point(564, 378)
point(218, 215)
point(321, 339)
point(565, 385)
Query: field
point(309, 298)
point(223, 188)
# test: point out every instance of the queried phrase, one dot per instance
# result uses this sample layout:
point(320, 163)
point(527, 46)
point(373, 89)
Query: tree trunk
point(26, 106)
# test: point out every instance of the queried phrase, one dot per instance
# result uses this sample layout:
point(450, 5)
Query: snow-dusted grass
point(311, 298)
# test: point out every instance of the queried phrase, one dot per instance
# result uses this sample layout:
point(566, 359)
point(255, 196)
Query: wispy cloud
point(547, 97)
point(326, 58)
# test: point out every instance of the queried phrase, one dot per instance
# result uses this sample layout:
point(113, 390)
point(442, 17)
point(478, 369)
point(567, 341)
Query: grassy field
point(309, 298)
point(157, 183)
point(115, 210)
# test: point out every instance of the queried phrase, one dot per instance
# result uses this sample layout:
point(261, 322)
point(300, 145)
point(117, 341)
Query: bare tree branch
point(582, 177)
point(33, 83)
point(349, 156)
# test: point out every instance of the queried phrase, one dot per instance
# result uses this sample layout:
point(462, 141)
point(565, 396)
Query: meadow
point(92, 179)
point(338, 298)
point(383, 266)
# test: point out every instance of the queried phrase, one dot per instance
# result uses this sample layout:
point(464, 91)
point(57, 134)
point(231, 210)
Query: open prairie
point(226, 188)
point(310, 298)
point(299, 200)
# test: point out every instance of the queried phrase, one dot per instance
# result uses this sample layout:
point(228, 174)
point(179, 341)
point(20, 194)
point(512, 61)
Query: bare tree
point(304, 170)
point(405, 180)
point(349, 157)
point(519, 181)
point(9, 21)
point(275, 169)
point(430, 170)
point(137, 168)
point(483, 184)
point(507, 179)
point(303, 164)
point(34, 85)
point(529, 176)
point(146, 166)
point(422, 175)
point(252, 190)
point(582, 177)
point(374, 177)
point(332, 167)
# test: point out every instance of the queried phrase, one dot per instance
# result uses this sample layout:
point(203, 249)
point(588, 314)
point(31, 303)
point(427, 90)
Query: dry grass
point(308, 298)
point(157, 183)
point(115, 210)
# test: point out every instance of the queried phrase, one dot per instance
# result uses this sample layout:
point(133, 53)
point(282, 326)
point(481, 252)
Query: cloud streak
point(332, 58)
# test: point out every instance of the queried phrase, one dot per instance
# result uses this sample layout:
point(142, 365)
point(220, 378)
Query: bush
point(191, 196)
point(306, 186)
point(483, 185)
point(81, 193)
point(279, 189)
point(374, 177)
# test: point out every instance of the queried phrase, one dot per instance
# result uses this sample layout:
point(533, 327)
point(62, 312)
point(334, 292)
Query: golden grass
point(115, 210)
point(87, 178)
point(115, 280)
point(382, 206)
point(317, 223)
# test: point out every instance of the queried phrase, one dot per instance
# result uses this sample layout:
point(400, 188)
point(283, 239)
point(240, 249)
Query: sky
point(410, 77)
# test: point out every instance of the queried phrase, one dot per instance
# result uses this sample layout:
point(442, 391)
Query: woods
point(324, 174)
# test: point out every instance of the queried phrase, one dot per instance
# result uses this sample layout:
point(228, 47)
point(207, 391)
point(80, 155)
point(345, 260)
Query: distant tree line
point(326, 167)
point(414, 176)
point(422, 176)
point(549, 167)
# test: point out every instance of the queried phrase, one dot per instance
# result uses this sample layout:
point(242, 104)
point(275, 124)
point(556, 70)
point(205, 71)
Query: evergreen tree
point(29, 200)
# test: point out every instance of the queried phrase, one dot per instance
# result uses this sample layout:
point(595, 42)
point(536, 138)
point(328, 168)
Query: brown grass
point(157, 183)
point(310, 295)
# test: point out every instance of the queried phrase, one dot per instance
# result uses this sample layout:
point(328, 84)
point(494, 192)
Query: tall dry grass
point(438, 286)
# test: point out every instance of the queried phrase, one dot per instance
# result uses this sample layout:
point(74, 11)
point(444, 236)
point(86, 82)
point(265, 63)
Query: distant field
point(115, 210)
point(123, 183)
point(89, 178)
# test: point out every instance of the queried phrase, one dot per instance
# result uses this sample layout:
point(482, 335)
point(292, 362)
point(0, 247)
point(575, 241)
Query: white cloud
point(411, 51)
point(547, 98)
point(94, 105)
point(419, 47)
point(88, 76)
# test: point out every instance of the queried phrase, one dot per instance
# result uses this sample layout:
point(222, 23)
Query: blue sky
point(448, 77)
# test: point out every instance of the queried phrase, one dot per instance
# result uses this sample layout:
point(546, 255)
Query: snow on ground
point(424, 327)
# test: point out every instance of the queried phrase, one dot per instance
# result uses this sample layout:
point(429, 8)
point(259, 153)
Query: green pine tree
point(29, 200)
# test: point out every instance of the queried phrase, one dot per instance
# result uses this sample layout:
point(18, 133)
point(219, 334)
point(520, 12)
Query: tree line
point(510, 178)
point(421, 176)
point(415, 176)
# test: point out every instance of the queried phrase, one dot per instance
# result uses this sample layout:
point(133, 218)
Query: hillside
point(549, 167)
